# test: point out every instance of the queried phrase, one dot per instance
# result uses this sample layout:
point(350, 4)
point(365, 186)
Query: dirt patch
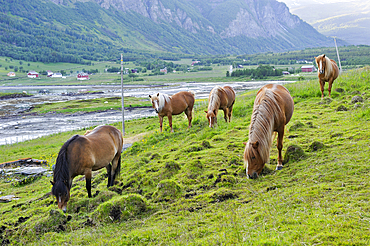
point(133, 139)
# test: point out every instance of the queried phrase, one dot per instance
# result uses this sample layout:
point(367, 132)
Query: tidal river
point(16, 128)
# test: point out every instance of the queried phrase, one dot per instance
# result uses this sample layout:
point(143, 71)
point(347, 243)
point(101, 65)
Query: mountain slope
point(74, 30)
point(349, 21)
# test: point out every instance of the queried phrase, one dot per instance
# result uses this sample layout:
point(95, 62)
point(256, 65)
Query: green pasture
point(217, 74)
point(91, 105)
point(189, 187)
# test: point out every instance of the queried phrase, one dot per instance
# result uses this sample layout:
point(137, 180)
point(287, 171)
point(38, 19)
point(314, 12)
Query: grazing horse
point(165, 105)
point(220, 98)
point(328, 72)
point(272, 110)
point(81, 155)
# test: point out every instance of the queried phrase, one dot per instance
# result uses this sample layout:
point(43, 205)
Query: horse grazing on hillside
point(328, 72)
point(272, 110)
point(220, 98)
point(81, 155)
point(165, 105)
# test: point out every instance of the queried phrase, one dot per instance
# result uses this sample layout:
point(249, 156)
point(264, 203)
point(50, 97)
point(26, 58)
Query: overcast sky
point(296, 3)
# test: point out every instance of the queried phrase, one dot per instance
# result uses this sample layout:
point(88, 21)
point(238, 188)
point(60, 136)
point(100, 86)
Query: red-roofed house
point(83, 76)
point(32, 74)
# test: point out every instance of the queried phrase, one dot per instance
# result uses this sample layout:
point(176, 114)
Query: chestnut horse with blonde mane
point(273, 108)
point(328, 72)
point(165, 105)
point(220, 98)
point(81, 155)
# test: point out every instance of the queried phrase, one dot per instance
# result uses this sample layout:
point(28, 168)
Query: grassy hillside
point(190, 187)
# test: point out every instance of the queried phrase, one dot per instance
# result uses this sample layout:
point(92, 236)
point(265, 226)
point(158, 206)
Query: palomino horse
point(81, 155)
point(165, 105)
point(220, 98)
point(272, 110)
point(328, 72)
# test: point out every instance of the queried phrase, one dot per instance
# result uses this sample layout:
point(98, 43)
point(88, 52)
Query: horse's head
point(321, 63)
point(154, 99)
point(211, 117)
point(61, 191)
point(252, 159)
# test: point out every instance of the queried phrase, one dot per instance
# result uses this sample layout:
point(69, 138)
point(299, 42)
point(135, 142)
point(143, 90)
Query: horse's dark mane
point(61, 171)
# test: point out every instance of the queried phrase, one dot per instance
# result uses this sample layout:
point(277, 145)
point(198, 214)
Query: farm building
point(11, 74)
point(32, 74)
point(56, 75)
point(286, 73)
point(49, 73)
point(164, 70)
point(83, 76)
point(308, 68)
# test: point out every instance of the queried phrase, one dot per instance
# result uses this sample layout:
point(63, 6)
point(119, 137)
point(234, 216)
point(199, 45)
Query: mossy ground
point(191, 189)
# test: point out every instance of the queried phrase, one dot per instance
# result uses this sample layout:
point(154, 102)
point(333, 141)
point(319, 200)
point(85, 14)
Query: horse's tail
point(61, 171)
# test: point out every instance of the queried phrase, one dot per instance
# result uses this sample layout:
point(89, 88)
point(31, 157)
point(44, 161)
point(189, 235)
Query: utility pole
point(336, 47)
point(122, 98)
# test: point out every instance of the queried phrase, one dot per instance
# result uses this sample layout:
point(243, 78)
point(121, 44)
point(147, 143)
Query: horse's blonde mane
point(261, 129)
point(162, 99)
point(328, 65)
point(214, 98)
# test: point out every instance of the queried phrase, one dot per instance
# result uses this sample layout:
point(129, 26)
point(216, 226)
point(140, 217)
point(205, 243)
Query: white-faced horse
point(165, 105)
point(328, 72)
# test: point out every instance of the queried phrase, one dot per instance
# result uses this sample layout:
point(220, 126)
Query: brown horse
point(328, 72)
point(81, 155)
point(165, 105)
point(220, 98)
point(272, 110)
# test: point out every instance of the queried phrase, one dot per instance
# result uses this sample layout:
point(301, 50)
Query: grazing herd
point(273, 108)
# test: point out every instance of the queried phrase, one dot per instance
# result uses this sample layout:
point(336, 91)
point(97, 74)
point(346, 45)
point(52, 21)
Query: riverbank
point(190, 187)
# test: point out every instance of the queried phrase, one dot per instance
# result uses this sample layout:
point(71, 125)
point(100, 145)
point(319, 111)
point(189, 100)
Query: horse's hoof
point(279, 168)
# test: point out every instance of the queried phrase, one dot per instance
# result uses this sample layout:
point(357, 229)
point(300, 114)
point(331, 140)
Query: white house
point(11, 74)
point(56, 75)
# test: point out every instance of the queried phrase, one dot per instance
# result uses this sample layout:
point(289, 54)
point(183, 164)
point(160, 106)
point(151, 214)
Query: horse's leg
point(115, 170)
point(322, 85)
point(109, 171)
point(230, 112)
point(88, 175)
point(189, 114)
point(226, 113)
point(160, 122)
point(280, 147)
point(329, 88)
point(170, 121)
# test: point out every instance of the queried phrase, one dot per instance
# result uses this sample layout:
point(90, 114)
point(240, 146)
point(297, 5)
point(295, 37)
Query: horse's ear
point(323, 55)
point(205, 111)
point(245, 143)
point(158, 95)
point(52, 182)
point(255, 145)
point(150, 96)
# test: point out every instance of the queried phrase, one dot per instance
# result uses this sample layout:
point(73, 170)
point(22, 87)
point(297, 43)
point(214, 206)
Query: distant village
point(50, 74)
